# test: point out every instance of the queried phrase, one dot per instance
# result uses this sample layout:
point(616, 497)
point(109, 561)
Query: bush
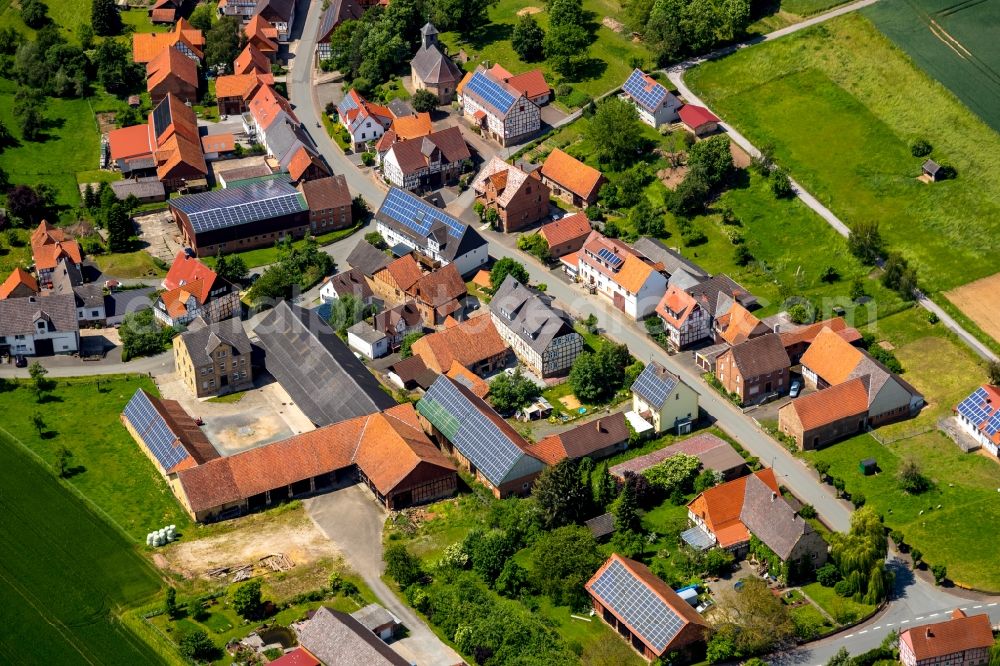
point(807, 511)
point(800, 313)
point(858, 500)
point(781, 185)
point(828, 575)
point(911, 479)
point(401, 566)
point(198, 646)
point(940, 572)
point(932, 318)
point(742, 255)
point(897, 538)
point(594, 213)
point(842, 588)
point(920, 148)
point(917, 556)
point(424, 101)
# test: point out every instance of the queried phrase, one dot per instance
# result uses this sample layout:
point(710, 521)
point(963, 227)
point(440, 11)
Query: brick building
point(519, 199)
point(754, 369)
point(214, 359)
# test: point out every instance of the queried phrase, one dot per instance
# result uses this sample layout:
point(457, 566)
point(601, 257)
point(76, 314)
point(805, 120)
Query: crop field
point(841, 105)
point(952, 40)
point(64, 572)
point(980, 302)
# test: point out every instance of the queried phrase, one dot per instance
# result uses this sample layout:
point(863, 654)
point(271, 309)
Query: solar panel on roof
point(654, 388)
point(649, 96)
point(490, 92)
point(154, 432)
point(648, 615)
point(992, 425)
point(607, 255)
point(973, 408)
point(161, 117)
point(244, 204)
point(418, 215)
point(477, 437)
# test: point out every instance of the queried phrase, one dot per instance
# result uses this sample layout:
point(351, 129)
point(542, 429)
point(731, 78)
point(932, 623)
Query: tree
point(223, 42)
point(37, 372)
point(561, 495)
point(347, 311)
point(841, 658)
point(759, 621)
point(464, 16)
point(34, 13)
point(673, 474)
point(170, 604)
point(713, 160)
point(246, 599)
point(104, 18)
point(690, 196)
point(375, 238)
point(534, 244)
point(822, 468)
point(198, 646)
point(513, 579)
point(119, 226)
point(865, 241)
point(646, 219)
point(911, 479)
point(507, 266)
point(39, 423)
point(993, 372)
point(860, 556)
point(528, 39)
point(402, 566)
point(718, 562)
point(30, 123)
point(563, 560)
point(115, 69)
point(604, 487)
point(141, 335)
point(828, 575)
point(406, 347)
point(63, 456)
point(626, 507)
point(781, 185)
point(424, 101)
point(899, 276)
point(489, 551)
point(511, 392)
point(742, 255)
point(940, 572)
point(615, 132)
point(203, 17)
point(232, 268)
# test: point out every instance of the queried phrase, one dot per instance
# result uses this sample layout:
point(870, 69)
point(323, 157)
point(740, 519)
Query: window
point(94, 313)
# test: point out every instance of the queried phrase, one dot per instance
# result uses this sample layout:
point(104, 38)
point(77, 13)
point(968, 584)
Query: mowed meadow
point(841, 105)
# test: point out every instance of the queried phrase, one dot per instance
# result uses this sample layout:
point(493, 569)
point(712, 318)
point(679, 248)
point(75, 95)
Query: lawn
point(843, 610)
point(65, 573)
point(228, 398)
point(843, 85)
point(107, 467)
point(71, 145)
point(611, 53)
point(265, 256)
point(953, 42)
point(18, 254)
point(138, 264)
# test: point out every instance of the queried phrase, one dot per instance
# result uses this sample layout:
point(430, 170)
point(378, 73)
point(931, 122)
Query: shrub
point(781, 185)
point(742, 255)
point(897, 538)
point(843, 588)
point(828, 575)
point(807, 511)
point(858, 499)
point(911, 479)
point(401, 566)
point(838, 484)
point(920, 148)
point(594, 213)
point(822, 467)
point(940, 572)
point(800, 313)
point(932, 318)
point(917, 556)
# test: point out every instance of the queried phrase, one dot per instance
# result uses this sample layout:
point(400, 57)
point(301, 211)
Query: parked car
point(795, 388)
point(112, 285)
point(188, 252)
point(20, 361)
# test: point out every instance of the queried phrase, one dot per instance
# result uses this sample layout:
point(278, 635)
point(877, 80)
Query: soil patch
point(571, 402)
point(672, 177)
point(106, 122)
point(980, 302)
point(612, 24)
point(529, 10)
point(740, 157)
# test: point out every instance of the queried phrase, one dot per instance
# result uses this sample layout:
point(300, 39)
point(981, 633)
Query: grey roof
point(373, 616)
point(319, 371)
point(713, 452)
point(365, 331)
point(433, 66)
point(18, 315)
point(497, 451)
point(602, 525)
point(145, 188)
point(120, 303)
point(416, 221)
point(683, 280)
point(523, 311)
point(408, 312)
point(931, 167)
point(367, 258)
point(336, 13)
point(67, 279)
point(284, 138)
point(352, 282)
point(401, 108)
point(771, 519)
point(202, 339)
point(337, 638)
point(716, 294)
point(243, 173)
point(428, 29)
point(655, 384)
point(672, 260)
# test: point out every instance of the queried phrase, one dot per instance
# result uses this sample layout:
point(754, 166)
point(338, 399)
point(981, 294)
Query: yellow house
point(214, 359)
point(662, 399)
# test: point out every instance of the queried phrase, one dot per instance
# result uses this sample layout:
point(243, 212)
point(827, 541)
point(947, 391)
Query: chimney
point(774, 496)
point(928, 633)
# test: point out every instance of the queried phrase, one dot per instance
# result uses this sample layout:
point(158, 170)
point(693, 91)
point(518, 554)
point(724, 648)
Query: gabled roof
point(320, 372)
point(505, 178)
point(171, 62)
point(646, 91)
point(646, 605)
point(760, 356)
point(297, 657)
point(469, 343)
point(438, 287)
point(218, 143)
point(807, 334)
point(714, 453)
point(262, 34)
point(498, 452)
point(267, 105)
point(584, 440)
point(201, 339)
point(237, 85)
point(815, 410)
point(412, 127)
point(251, 59)
point(530, 84)
point(414, 155)
point(655, 384)
point(18, 315)
point(20, 280)
point(405, 271)
point(49, 244)
point(367, 258)
point(718, 293)
point(566, 229)
point(147, 45)
point(720, 507)
point(418, 221)
point(275, 9)
point(771, 519)
point(739, 325)
point(387, 320)
point(337, 638)
point(982, 409)
point(476, 384)
point(831, 357)
point(960, 633)
point(524, 312)
point(185, 270)
point(336, 13)
point(355, 109)
point(676, 306)
point(241, 204)
point(129, 142)
point(633, 274)
point(491, 93)
point(572, 174)
point(433, 66)
point(696, 116)
point(171, 436)
point(326, 193)
point(669, 260)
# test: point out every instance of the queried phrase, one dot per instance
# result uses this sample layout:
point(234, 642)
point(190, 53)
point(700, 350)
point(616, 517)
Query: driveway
point(353, 520)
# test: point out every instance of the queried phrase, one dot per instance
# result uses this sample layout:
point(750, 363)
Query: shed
point(931, 169)
point(868, 466)
point(689, 594)
point(601, 526)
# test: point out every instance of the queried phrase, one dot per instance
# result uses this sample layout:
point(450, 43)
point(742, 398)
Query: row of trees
point(297, 267)
point(597, 376)
point(674, 29)
point(867, 244)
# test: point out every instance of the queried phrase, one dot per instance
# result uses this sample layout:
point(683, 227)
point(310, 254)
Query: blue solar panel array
point(470, 431)
point(154, 431)
point(654, 385)
point(980, 413)
point(490, 91)
point(417, 215)
point(161, 117)
point(610, 257)
point(649, 97)
point(243, 204)
point(653, 620)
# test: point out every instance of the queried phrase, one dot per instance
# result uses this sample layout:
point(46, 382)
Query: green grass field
point(840, 104)
point(955, 42)
point(611, 52)
point(107, 466)
point(64, 573)
point(944, 371)
point(138, 264)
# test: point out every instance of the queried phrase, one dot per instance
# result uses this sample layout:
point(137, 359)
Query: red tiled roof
point(472, 381)
point(171, 62)
point(583, 440)
point(251, 59)
point(676, 306)
point(739, 325)
point(469, 342)
point(439, 287)
point(412, 127)
point(262, 34)
point(237, 85)
point(186, 270)
point(960, 633)
point(831, 357)
point(568, 228)
point(163, 15)
point(49, 245)
point(695, 116)
point(18, 278)
point(808, 333)
point(301, 161)
point(405, 271)
point(572, 174)
point(218, 143)
point(147, 45)
point(832, 404)
point(297, 657)
point(129, 142)
point(267, 104)
point(530, 84)
point(720, 507)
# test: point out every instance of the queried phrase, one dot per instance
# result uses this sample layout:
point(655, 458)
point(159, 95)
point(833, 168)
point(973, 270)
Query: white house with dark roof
point(39, 325)
point(656, 105)
point(404, 218)
point(538, 335)
point(432, 70)
point(662, 399)
point(500, 111)
point(428, 162)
